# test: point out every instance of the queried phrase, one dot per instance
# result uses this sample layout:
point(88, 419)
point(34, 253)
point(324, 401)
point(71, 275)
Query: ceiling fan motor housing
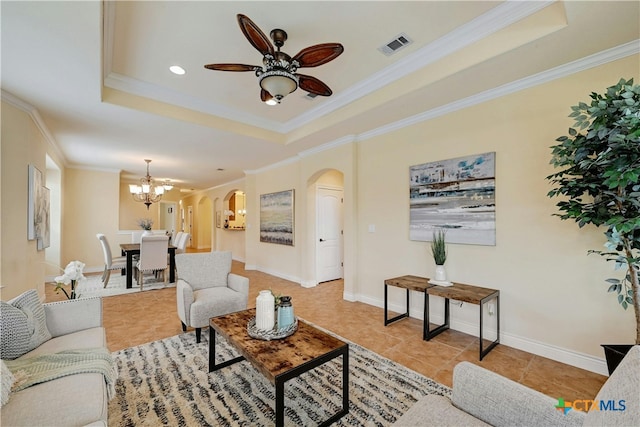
point(278, 36)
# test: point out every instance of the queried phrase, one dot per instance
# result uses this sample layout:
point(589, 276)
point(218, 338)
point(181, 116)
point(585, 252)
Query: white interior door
point(168, 216)
point(329, 234)
point(190, 224)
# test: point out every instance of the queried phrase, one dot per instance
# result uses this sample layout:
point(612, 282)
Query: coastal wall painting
point(33, 201)
point(455, 195)
point(276, 217)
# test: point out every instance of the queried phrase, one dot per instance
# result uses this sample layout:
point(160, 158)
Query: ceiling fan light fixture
point(279, 83)
point(176, 69)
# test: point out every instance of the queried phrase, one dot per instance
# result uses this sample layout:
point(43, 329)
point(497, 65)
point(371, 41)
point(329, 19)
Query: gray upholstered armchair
point(206, 288)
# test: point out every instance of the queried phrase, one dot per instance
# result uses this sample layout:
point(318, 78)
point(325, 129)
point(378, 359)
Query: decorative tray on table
point(273, 334)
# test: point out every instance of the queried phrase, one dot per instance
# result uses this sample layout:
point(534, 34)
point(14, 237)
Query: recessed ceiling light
point(176, 69)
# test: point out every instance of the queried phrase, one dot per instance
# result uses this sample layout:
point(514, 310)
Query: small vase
point(441, 273)
point(265, 314)
point(147, 233)
point(285, 313)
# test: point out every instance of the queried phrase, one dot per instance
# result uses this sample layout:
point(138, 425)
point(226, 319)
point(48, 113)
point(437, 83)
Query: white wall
point(554, 298)
point(22, 266)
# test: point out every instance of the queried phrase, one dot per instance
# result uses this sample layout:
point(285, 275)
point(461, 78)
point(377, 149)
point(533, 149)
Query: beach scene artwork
point(276, 218)
point(455, 195)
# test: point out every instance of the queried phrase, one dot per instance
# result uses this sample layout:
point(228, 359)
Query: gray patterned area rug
point(92, 286)
point(166, 383)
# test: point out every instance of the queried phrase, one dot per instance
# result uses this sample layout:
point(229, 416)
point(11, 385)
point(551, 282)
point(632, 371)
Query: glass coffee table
point(283, 359)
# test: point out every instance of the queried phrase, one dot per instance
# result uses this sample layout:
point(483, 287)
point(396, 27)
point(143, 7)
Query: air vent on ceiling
point(396, 44)
point(310, 96)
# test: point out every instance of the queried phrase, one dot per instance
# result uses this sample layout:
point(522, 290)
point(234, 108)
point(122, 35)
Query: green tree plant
point(599, 180)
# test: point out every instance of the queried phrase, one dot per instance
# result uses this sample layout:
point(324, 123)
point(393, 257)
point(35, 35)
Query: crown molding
point(39, 122)
point(149, 90)
point(94, 169)
point(216, 187)
point(272, 166)
point(600, 58)
point(328, 146)
point(597, 59)
point(494, 20)
point(490, 22)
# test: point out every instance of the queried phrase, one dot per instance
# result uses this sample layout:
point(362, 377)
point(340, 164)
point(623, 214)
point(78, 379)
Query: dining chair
point(110, 263)
point(181, 245)
point(177, 238)
point(153, 256)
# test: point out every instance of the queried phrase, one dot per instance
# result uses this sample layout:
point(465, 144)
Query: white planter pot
point(441, 273)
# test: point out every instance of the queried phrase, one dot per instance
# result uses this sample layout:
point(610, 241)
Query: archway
point(204, 229)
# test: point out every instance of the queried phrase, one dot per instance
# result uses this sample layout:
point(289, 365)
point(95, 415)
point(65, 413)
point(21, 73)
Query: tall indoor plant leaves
point(599, 180)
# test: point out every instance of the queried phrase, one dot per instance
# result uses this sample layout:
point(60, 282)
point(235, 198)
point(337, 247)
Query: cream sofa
point(74, 400)
point(481, 397)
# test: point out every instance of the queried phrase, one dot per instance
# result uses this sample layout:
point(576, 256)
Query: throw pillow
point(23, 325)
point(7, 382)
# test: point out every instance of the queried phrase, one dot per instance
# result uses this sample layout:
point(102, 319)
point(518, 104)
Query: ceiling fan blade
point(232, 67)
point(319, 54)
point(265, 96)
point(313, 85)
point(255, 35)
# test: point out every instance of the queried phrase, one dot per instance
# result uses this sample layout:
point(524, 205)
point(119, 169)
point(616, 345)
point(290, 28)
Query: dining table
point(131, 249)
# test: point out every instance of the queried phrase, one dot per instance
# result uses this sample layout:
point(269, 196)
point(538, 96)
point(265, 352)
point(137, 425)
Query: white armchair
point(206, 288)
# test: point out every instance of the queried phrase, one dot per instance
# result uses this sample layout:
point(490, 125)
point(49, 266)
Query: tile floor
point(138, 318)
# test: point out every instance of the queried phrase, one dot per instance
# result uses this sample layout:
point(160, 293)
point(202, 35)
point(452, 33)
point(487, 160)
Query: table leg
point(425, 317)
point(386, 315)
point(212, 349)
point(279, 403)
point(345, 391)
point(484, 352)
point(129, 269)
point(345, 381)
point(172, 266)
point(427, 333)
point(213, 366)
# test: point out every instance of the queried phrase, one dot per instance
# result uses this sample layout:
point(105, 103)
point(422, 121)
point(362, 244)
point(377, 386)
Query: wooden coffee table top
point(274, 357)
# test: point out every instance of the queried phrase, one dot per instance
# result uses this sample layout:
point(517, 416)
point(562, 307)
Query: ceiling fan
point(279, 76)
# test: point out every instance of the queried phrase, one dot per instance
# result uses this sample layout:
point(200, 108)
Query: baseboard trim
point(277, 274)
point(309, 284)
point(348, 296)
point(559, 354)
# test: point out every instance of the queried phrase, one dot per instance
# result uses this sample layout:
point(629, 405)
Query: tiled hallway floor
point(138, 318)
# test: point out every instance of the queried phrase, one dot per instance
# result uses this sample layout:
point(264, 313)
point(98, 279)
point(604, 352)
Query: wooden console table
point(410, 283)
point(464, 293)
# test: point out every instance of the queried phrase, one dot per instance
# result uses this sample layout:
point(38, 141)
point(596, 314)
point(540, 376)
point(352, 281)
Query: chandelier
point(148, 191)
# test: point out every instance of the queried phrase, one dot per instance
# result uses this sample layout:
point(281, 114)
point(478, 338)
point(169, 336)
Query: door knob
point(322, 240)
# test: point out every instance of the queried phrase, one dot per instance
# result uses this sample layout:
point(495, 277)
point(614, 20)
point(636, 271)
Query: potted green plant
point(600, 182)
point(439, 252)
